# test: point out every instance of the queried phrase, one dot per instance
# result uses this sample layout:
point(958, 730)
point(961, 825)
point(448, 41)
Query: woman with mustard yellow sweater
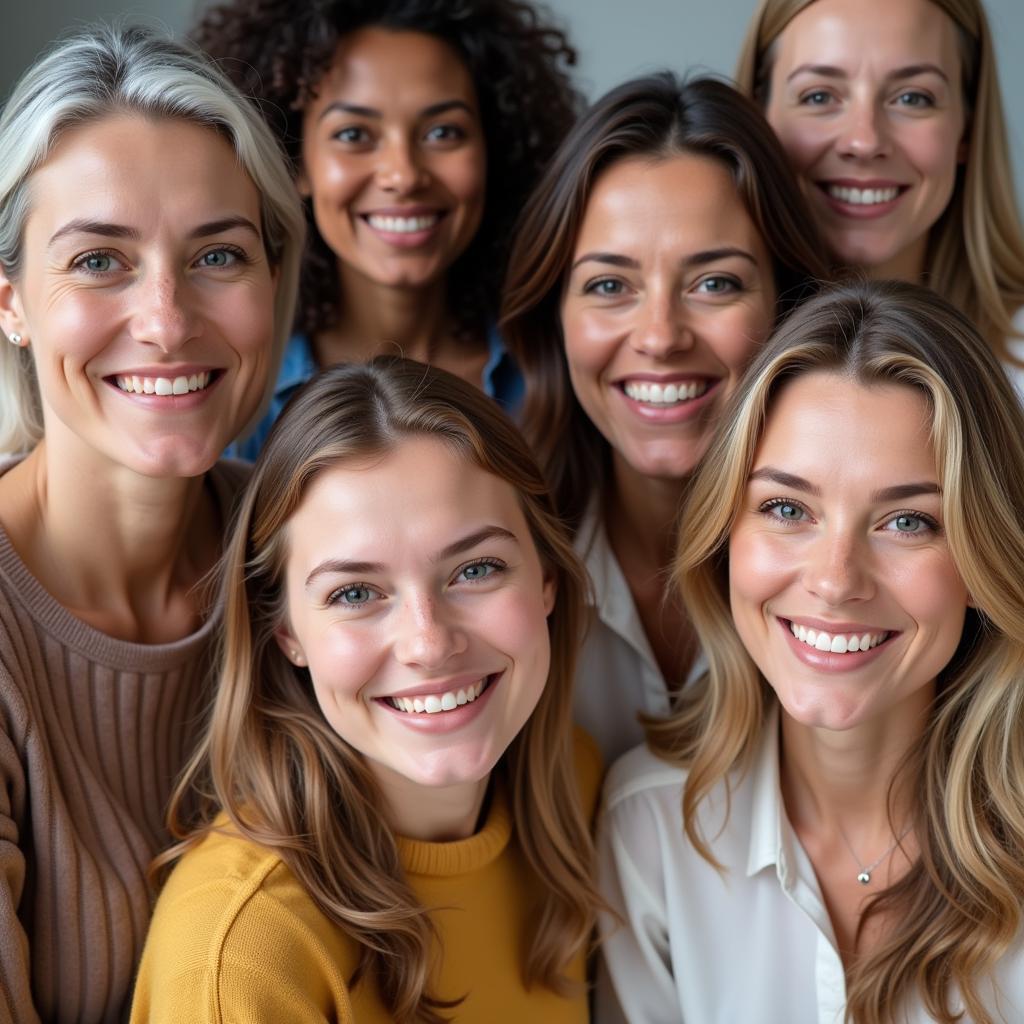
point(394, 821)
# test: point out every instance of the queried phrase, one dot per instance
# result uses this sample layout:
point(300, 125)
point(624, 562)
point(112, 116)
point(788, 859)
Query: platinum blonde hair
point(107, 70)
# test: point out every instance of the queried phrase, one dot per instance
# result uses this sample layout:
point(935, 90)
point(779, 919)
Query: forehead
point(686, 201)
point(845, 34)
point(377, 66)
point(410, 502)
point(833, 430)
point(136, 170)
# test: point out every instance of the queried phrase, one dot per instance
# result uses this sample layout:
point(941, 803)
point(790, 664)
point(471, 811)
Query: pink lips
point(826, 661)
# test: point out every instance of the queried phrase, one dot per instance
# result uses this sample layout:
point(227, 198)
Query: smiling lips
point(665, 394)
point(402, 225)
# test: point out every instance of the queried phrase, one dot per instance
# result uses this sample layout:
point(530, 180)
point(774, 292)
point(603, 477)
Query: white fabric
point(617, 675)
point(1016, 347)
point(754, 944)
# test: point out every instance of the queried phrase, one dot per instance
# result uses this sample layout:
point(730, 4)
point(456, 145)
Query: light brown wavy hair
point(982, 221)
point(288, 781)
point(960, 905)
point(656, 118)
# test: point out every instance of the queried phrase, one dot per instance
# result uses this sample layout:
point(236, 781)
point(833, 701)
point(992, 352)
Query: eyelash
point(766, 509)
point(79, 262)
point(494, 563)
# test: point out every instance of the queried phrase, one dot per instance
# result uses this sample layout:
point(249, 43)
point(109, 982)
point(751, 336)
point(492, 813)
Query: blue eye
point(218, 258)
point(912, 524)
point(913, 98)
point(97, 262)
point(816, 98)
point(477, 571)
point(607, 286)
point(354, 596)
point(718, 285)
point(781, 508)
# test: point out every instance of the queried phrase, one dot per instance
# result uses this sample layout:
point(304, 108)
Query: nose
point(399, 169)
point(164, 314)
point(662, 327)
point(427, 637)
point(837, 569)
point(862, 130)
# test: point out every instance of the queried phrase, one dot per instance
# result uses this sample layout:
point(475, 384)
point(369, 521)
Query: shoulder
point(639, 775)
point(233, 917)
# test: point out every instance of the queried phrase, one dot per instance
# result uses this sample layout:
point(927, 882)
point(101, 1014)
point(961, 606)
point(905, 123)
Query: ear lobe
point(290, 647)
point(12, 320)
point(550, 592)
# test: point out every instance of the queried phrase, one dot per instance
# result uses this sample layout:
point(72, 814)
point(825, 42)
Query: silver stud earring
point(15, 339)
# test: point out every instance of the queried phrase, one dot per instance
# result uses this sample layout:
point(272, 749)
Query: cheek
point(590, 340)
point(759, 570)
point(801, 139)
point(735, 339)
point(465, 175)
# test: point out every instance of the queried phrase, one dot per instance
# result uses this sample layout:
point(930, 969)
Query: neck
point(122, 551)
point(907, 265)
point(430, 814)
point(842, 782)
point(641, 515)
point(377, 319)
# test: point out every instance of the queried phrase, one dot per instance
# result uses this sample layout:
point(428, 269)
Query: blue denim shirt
point(502, 381)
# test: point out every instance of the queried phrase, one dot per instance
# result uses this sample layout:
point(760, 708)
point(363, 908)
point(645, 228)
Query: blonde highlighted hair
point(960, 905)
point(982, 221)
point(288, 781)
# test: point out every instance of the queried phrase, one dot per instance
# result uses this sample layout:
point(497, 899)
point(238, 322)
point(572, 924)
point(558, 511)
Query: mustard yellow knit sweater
point(235, 938)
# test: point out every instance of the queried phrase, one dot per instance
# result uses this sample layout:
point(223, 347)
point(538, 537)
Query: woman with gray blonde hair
point(837, 816)
point(149, 246)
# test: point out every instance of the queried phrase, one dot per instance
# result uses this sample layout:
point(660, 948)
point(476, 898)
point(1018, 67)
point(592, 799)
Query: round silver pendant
point(864, 878)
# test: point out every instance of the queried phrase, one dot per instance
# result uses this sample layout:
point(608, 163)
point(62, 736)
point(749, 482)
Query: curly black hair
point(277, 51)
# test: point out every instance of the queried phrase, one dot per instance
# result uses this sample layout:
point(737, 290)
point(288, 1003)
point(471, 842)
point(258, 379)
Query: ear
point(290, 647)
point(12, 317)
point(550, 591)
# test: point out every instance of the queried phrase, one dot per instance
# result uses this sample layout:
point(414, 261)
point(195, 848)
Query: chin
point(174, 458)
point(454, 767)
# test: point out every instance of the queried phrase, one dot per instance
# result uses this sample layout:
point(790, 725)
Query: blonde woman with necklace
point(836, 817)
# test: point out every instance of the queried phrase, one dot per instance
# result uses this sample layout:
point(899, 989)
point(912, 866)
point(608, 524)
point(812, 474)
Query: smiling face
point(873, 122)
point(670, 291)
point(417, 599)
point(843, 589)
point(393, 157)
point(144, 294)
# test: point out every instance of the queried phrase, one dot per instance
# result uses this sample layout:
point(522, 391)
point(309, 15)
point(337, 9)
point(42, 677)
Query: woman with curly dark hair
point(416, 129)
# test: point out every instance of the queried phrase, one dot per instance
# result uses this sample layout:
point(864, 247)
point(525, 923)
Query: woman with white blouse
point(832, 828)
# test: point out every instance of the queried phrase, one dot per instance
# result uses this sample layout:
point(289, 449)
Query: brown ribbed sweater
point(93, 732)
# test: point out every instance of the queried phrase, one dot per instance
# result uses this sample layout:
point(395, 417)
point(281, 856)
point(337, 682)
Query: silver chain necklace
point(864, 873)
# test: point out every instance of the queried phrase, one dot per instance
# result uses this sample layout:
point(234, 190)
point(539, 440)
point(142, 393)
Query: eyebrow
point(342, 566)
point(340, 106)
point(84, 226)
point(830, 71)
point(798, 483)
point(697, 259)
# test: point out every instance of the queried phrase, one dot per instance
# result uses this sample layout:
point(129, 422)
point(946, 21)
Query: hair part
point(983, 217)
point(286, 780)
point(107, 71)
point(960, 906)
point(516, 58)
point(657, 117)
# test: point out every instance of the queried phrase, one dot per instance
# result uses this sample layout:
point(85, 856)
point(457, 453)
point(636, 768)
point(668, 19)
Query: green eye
point(908, 524)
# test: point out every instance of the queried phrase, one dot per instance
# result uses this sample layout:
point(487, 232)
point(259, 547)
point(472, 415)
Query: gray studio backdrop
point(615, 39)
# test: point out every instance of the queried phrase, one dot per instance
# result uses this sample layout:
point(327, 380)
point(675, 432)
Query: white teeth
point(669, 394)
point(432, 703)
point(163, 385)
point(836, 643)
point(862, 196)
point(403, 225)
